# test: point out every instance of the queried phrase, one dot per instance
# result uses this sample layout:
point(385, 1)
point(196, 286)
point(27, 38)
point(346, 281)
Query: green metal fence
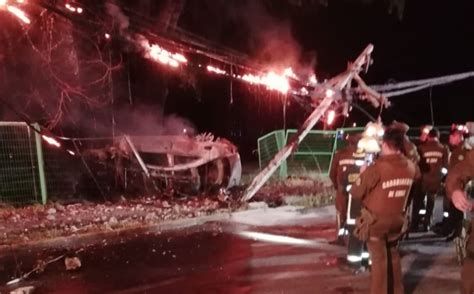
point(268, 146)
point(31, 171)
point(22, 177)
point(313, 155)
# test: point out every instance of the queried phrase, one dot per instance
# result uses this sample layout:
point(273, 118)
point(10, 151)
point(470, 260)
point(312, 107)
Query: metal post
point(281, 142)
point(39, 153)
point(138, 157)
point(334, 148)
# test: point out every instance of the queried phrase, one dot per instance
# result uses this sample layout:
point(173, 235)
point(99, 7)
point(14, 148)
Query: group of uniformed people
point(386, 191)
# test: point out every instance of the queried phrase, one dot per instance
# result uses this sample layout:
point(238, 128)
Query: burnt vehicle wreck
point(172, 164)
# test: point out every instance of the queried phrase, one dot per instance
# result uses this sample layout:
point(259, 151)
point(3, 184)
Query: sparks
point(51, 141)
point(71, 152)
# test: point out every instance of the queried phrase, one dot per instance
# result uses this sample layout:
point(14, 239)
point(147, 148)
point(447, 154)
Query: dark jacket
point(384, 186)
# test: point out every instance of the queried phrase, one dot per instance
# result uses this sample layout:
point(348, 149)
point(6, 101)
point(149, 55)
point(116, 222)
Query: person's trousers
point(416, 197)
point(467, 276)
point(455, 218)
point(355, 249)
point(430, 203)
point(341, 205)
point(341, 211)
point(386, 274)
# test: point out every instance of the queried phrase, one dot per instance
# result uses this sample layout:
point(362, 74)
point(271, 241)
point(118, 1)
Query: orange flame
point(288, 72)
point(51, 141)
point(271, 80)
point(163, 56)
point(216, 70)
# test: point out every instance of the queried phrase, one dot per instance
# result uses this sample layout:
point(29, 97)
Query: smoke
point(272, 42)
point(146, 120)
point(140, 120)
point(118, 16)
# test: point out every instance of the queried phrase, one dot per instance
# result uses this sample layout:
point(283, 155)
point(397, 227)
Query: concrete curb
point(75, 242)
point(81, 240)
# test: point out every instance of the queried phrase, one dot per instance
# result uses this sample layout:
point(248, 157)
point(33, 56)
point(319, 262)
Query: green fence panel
point(314, 153)
point(62, 172)
point(268, 147)
point(19, 169)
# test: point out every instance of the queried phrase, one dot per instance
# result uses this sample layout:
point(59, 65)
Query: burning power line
point(12, 8)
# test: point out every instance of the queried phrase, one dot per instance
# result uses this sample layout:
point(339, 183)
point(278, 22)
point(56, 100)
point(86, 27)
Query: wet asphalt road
point(229, 258)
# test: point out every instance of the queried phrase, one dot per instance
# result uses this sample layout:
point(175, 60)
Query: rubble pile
point(21, 225)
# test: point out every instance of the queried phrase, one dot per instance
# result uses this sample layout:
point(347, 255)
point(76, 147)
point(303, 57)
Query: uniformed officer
point(452, 217)
point(383, 189)
point(367, 149)
point(409, 149)
point(457, 179)
point(341, 174)
point(411, 152)
point(434, 158)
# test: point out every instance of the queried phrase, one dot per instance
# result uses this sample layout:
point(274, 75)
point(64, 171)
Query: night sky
point(431, 39)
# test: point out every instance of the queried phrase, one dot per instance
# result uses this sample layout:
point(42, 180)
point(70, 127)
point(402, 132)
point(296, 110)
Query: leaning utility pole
point(334, 90)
